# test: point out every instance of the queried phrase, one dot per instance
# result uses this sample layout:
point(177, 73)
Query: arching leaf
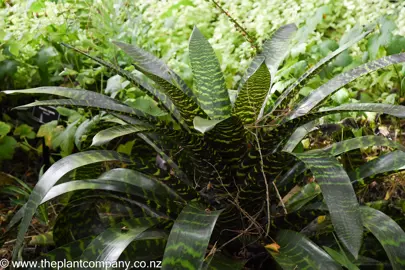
point(275, 50)
point(166, 81)
point(360, 142)
point(51, 176)
point(394, 110)
point(189, 237)
point(98, 105)
point(71, 93)
point(292, 90)
point(339, 196)
point(298, 135)
point(308, 103)
point(393, 161)
point(109, 134)
point(141, 83)
point(389, 233)
point(153, 65)
point(298, 252)
point(109, 245)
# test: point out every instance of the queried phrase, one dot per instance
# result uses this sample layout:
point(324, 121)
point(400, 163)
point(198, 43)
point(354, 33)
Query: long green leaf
point(154, 65)
point(152, 188)
point(298, 252)
point(394, 110)
point(389, 233)
point(339, 196)
point(360, 142)
point(393, 161)
point(84, 128)
point(121, 186)
point(71, 250)
point(189, 238)
point(211, 91)
point(298, 135)
point(341, 258)
point(140, 82)
point(51, 176)
point(98, 105)
point(166, 81)
point(308, 103)
point(72, 93)
point(275, 50)
point(109, 245)
point(109, 134)
point(305, 195)
point(292, 90)
point(252, 94)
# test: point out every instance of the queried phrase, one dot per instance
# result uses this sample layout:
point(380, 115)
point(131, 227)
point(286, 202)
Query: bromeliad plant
point(221, 180)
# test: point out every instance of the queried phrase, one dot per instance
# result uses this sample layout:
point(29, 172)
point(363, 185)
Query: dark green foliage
point(209, 178)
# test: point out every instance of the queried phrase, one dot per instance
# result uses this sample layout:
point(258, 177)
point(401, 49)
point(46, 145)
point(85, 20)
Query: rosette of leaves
point(220, 184)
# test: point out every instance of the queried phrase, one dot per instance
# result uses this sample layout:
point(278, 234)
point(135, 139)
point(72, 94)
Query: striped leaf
point(211, 91)
point(84, 128)
point(166, 81)
point(51, 176)
point(315, 97)
point(277, 47)
point(394, 110)
point(72, 93)
point(71, 250)
point(339, 196)
point(292, 90)
point(341, 258)
point(298, 252)
point(275, 50)
point(252, 94)
point(139, 82)
point(98, 105)
point(139, 186)
point(152, 189)
point(153, 65)
point(109, 134)
point(109, 245)
point(305, 195)
point(299, 134)
point(360, 142)
point(394, 161)
point(189, 238)
point(389, 233)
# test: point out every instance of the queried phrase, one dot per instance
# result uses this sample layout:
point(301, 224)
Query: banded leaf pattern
point(339, 196)
point(211, 91)
point(298, 252)
point(51, 176)
point(139, 82)
point(252, 94)
point(109, 134)
point(308, 103)
point(292, 90)
point(389, 233)
point(189, 237)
